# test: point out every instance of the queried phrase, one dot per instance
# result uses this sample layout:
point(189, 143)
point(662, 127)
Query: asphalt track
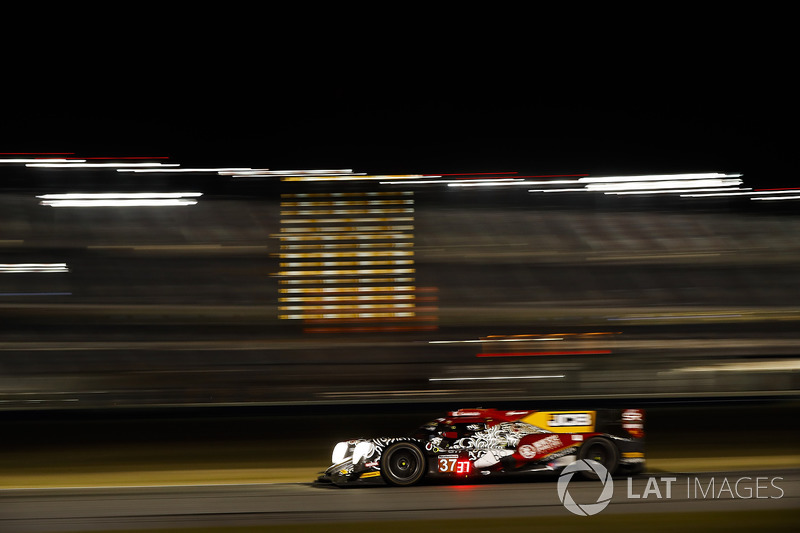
point(225, 506)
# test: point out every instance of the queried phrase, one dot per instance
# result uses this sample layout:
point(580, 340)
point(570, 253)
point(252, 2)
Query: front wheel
point(602, 451)
point(402, 464)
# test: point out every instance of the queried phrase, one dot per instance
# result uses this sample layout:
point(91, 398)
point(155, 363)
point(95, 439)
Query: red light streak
point(559, 352)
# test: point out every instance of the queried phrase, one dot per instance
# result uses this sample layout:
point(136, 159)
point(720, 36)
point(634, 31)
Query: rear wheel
point(602, 451)
point(402, 464)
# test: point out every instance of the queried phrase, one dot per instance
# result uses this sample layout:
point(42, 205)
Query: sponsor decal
point(527, 451)
point(562, 421)
point(558, 420)
point(633, 422)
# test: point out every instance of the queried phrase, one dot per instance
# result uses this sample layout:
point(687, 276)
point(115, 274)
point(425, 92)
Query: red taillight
point(633, 422)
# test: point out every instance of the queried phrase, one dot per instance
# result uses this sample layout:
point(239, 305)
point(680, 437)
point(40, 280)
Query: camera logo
point(586, 509)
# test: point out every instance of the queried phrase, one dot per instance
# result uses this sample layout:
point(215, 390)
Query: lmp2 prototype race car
point(471, 443)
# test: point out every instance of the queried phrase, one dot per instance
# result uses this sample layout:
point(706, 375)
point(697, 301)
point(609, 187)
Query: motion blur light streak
point(493, 378)
point(118, 196)
point(371, 271)
point(469, 341)
point(558, 352)
point(347, 177)
point(746, 192)
point(768, 366)
point(661, 185)
point(649, 184)
point(676, 191)
point(187, 170)
point(39, 160)
point(83, 164)
point(657, 177)
point(120, 199)
point(25, 268)
point(777, 198)
point(119, 203)
point(393, 288)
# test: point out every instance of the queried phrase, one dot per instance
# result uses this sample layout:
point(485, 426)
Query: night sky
point(717, 103)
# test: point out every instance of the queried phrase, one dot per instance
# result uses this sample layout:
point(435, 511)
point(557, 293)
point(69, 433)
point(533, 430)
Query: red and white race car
point(490, 442)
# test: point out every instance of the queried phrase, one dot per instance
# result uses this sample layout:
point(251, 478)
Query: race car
point(471, 443)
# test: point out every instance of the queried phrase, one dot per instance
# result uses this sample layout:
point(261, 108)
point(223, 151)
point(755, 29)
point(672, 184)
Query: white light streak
point(346, 220)
point(343, 237)
point(334, 290)
point(354, 272)
point(42, 160)
point(119, 199)
point(348, 306)
point(347, 211)
point(558, 190)
point(118, 195)
point(351, 178)
point(26, 268)
point(503, 182)
point(779, 194)
point(346, 194)
point(676, 191)
point(452, 182)
point(76, 164)
point(778, 198)
point(340, 229)
point(222, 169)
point(675, 184)
point(555, 376)
point(351, 298)
point(330, 316)
point(344, 280)
point(318, 255)
point(347, 246)
point(747, 366)
point(119, 203)
point(497, 340)
point(646, 184)
point(346, 263)
point(658, 177)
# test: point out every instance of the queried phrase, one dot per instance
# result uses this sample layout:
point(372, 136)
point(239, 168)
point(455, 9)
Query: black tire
point(601, 450)
point(402, 464)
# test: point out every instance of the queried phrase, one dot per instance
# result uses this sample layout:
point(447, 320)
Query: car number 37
point(454, 465)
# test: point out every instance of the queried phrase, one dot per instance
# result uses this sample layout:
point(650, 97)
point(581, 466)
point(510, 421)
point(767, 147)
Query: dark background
point(544, 92)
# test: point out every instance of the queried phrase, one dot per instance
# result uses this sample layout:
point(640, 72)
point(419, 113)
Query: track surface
point(85, 509)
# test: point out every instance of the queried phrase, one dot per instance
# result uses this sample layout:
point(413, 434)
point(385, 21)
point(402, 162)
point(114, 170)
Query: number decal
point(451, 464)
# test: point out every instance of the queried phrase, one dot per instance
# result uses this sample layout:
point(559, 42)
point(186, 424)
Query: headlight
point(363, 449)
point(339, 452)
